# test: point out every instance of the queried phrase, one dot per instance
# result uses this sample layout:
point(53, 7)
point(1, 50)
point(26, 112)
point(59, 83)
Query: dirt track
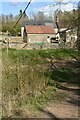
point(70, 107)
point(67, 109)
point(0, 83)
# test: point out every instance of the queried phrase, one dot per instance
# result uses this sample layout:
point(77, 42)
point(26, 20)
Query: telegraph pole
point(78, 31)
point(7, 43)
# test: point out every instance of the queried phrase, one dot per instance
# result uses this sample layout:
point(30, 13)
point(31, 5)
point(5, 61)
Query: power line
point(21, 14)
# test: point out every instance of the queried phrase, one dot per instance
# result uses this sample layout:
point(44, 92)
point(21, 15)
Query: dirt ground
point(67, 109)
point(70, 107)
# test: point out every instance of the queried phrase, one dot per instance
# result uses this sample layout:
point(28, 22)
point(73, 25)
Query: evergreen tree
point(20, 12)
point(11, 16)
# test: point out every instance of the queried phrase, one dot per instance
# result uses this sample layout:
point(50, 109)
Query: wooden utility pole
point(1, 84)
point(7, 43)
point(78, 31)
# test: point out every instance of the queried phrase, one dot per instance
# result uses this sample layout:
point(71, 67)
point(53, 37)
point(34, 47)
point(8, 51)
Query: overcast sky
point(46, 6)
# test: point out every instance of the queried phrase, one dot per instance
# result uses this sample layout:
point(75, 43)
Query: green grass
point(13, 53)
point(68, 75)
point(28, 81)
point(34, 57)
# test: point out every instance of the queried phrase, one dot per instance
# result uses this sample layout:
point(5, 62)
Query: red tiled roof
point(39, 29)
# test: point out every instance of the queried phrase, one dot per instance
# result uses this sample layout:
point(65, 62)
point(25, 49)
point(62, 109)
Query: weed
point(27, 80)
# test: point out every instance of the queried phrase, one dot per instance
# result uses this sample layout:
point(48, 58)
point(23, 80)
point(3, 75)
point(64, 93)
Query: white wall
point(22, 31)
point(38, 37)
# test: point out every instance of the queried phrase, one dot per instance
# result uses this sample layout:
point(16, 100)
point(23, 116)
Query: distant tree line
point(9, 20)
point(66, 19)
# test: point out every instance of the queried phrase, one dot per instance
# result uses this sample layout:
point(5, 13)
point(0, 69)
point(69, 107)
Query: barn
point(36, 33)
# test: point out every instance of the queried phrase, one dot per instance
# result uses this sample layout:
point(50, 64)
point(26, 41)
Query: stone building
point(36, 33)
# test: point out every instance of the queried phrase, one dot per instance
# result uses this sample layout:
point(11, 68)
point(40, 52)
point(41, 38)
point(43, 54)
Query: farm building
point(36, 33)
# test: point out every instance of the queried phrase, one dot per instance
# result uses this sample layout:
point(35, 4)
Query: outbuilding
point(36, 33)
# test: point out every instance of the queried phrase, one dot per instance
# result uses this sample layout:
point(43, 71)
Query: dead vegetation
point(30, 80)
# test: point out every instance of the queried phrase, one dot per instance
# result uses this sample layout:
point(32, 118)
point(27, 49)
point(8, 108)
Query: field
point(32, 79)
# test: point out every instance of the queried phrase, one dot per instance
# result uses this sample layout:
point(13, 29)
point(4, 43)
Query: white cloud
point(70, 0)
point(63, 7)
point(67, 7)
point(50, 9)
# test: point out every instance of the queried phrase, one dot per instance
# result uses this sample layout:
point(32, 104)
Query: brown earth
point(69, 108)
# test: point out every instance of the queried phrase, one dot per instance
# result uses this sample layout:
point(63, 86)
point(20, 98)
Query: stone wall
point(33, 38)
